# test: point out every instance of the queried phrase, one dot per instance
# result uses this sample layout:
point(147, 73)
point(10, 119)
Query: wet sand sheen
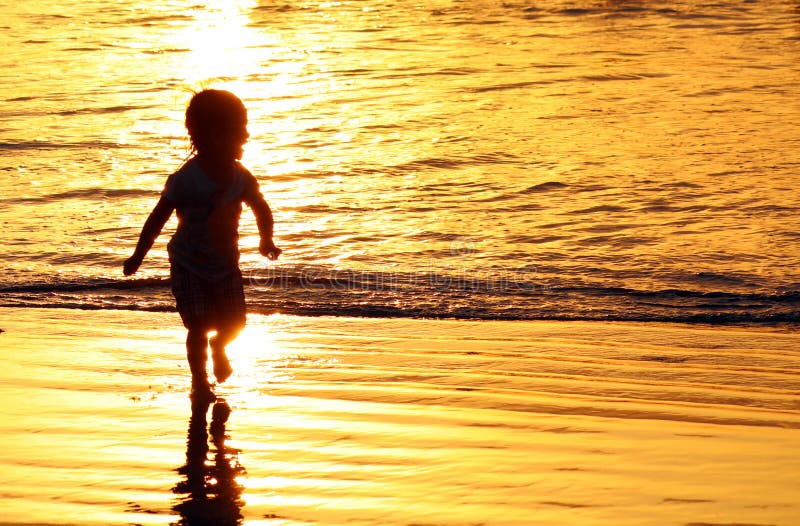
point(361, 421)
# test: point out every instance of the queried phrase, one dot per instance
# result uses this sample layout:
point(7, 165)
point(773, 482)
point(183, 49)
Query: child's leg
point(192, 300)
point(229, 316)
point(196, 354)
point(225, 335)
point(196, 344)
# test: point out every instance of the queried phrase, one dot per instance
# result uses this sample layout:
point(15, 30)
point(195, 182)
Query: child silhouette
point(207, 193)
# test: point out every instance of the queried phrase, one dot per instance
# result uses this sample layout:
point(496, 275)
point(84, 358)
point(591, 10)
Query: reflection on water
point(358, 421)
point(209, 492)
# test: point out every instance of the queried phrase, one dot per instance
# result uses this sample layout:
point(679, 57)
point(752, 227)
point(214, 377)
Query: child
point(207, 193)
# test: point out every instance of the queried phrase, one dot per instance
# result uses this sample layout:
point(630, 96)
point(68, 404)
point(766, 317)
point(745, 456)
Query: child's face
point(231, 140)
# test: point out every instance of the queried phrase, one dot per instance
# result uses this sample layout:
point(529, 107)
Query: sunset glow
point(465, 262)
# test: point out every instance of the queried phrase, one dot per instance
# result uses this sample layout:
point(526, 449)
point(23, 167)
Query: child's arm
point(263, 214)
point(152, 228)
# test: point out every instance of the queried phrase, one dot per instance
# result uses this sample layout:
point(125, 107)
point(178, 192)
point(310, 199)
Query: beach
point(539, 264)
point(387, 421)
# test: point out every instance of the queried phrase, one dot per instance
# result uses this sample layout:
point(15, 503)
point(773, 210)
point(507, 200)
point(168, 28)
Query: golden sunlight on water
point(336, 420)
point(473, 159)
point(221, 44)
point(605, 145)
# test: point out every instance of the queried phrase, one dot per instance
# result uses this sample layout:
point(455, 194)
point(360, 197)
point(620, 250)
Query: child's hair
point(212, 112)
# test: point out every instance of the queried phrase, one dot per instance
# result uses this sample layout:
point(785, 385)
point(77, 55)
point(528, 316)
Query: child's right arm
point(152, 228)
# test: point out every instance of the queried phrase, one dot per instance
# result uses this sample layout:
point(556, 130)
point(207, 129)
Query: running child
point(207, 193)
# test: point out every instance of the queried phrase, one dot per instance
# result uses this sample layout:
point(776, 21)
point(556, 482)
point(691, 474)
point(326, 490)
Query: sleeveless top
point(206, 240)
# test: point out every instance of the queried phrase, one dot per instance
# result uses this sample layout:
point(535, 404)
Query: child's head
point(217, 123)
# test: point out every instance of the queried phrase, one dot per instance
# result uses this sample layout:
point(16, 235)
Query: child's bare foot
point(222, 367)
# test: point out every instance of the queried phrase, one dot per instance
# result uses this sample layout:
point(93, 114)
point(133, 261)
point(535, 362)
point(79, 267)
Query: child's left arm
point(263, 214)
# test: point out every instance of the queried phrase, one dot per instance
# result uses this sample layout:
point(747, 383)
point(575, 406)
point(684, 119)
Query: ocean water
point(615, 160)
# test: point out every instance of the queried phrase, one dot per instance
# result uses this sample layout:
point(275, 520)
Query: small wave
point(151, 20)
point(279, 8)
point(435, 236)
point(88, 285)
point(508, 86)
point(290, 177)
point(543, 187)
point(545, 82)
point(48, 16)
point(100, 110)
point(714, 277)
point(162, 51)
point(683, 184)
point(697, 26)
point(456, 71)
point(535, 189)
point(433, 162)
point(48, 145)
point(537, 240)
point(577, 11)
point(494, 158)
point(323, 209)
point(521, 295)
point(85, 193)
point(299, 307)
point(599, 208)
point(622, 77)
point(455, 162)
point(102, 193)
point(83, 49)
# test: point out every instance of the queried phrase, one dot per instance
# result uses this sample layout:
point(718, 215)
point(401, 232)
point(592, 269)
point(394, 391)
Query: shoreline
point(397, 421)
point(777, 327)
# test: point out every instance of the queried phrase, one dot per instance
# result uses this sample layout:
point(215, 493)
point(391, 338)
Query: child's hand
point(131, 265)
point(269, 250)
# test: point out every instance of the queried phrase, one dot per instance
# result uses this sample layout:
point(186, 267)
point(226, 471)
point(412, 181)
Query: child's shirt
point(206, 240)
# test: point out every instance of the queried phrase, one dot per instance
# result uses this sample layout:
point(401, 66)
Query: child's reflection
point(210, 494)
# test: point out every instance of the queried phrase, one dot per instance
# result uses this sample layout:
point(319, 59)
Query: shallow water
point(334, 421)
point(594, 160)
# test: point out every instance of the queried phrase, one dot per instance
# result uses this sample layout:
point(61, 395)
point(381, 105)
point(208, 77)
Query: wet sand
point(381, 421)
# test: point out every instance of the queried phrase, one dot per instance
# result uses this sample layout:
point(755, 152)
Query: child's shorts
point(208, 305)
